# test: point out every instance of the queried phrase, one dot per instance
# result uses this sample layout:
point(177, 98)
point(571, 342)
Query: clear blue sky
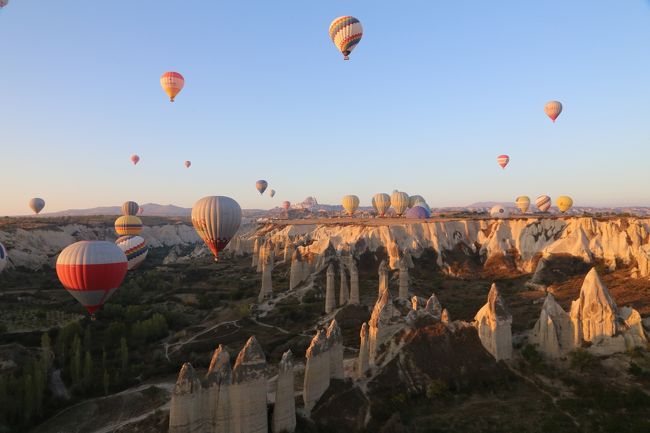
point(433, 93)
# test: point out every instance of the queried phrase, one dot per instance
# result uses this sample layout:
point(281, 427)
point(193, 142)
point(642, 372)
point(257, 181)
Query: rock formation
point(354, 283)
point(284, 411)
point(364, 351)
point(493, 322)
point(344, 292)
point(444, 318)
point(403, 281)
point(297, 274)
point(256, 252)
point(384, 322)
point(288, 250)
point(336, 350)
point(553, 331)
point(266, 291)
point(217, 383)
point(317, 370)
point(383, 278)
point(330, 299)
point(248, 390)
point(433, 307)
point(633, 333)
point(417, 302)
point(185, 415)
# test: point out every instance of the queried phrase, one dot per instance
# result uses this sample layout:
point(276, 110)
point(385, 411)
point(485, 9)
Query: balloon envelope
point(381, 203)
point(350, 204)
point(418, 212)
point(499, 211)
point(216, 219)
point(523, 203)
point(128, 225)
point(503, 160)
point(286, 205)
point(3, 257)
point(564, 203)
point(553, 109)
point(543, 203)
point(130, 208)
point(272, 193)
point(3, 3)
point(91, 271)
point(415, 199)
point(261, 186)
point(188, 164)
point(172, 83)
point(36, 204)
point(400, 201)
point(346, 32)
point(135, 249)
point(135, 159)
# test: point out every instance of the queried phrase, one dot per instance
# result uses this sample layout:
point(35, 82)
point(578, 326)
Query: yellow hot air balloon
point(350, 203)
point(523, 203)
point(381, 203)
point(564, 203)
point(172, 83)
point(400, 202)
point(128, 225)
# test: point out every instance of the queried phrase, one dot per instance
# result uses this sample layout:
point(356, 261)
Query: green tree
point(75, 360)
point(88, 371)
point(106, 382)
point(124, 353)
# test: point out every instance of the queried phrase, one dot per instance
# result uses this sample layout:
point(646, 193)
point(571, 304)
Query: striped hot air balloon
point(564, 203)
point(36, 204)
point(91, 271)
point(216, 219)
point(135, 159)
point(3, 257)
point(503, 160)
point(346, 32)
point(523, 203)
point(135, 248)
point(128, 225)
point(130, 208)
point(543, 203)
point(381, 203)
point(261, 186)
point(400, 202)
point(553, 109)
point(187, 164)
point(3, 3)
point(172, 83)
point(350, 204)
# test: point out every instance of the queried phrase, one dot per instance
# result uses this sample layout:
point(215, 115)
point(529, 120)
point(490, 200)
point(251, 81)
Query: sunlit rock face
point(266, 291)
point(248, 390)
point(330, 295)
point(297, 273)
point(403, 280)
point(317, 370)
point(363, 361)
point(385, 321)
point(383, 278)
point(433, 307)
point(336, 350)
point(493, 322)
point(284, 410)
point(344, 291)
point(354, 283)
point(216, 397)
point(185, 411)
point(553, 331)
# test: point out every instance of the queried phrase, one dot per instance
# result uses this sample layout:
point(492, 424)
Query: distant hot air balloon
point(261, 186)
point(286, 205)
point(37, 204)
point(503, 160)
point(188, 164)
point(91, 271)
point(135, 159)
point(3, 3)
point(135, 249)
point(272, 193)
point(415, 199)
point(350, 204)
point(543, 203)
point(418, 212)
point(553, 109)
point(499, 211)
point(564, 203)
point(3, 257)
point(523, 203)
point(128, 225)
point(399, 201)
point(172, 83)
point(130, 208)
point(381, 203)
point(346, 32)
point(216, 219)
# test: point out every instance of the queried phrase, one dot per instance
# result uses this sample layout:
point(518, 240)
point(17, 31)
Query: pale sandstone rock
point(354, 283)
point(330, 299)
point(317, 370)
point(403, 281)
point(344, 291)
point(553, 331)
point(217, 392)
point(433, 307)
point(364, 351)
point(335, 344)
point(493, 322)
point(384, 323)
point(383, 278)
point(284, 411)
point(248, 390)
point(185, 415)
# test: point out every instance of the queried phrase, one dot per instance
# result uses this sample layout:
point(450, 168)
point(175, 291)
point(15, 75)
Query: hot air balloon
point(350, 204)
point(261, 186)
point(503, 160)
point(543, 203)
point(499, 211)
point(523, 203)
point(346, 32)
point(564, 203)
point(172, 83)
point(3, 257)
point(188, 164)
point(135, 159)
point(272, 193)
point(381, 203)
point(216, 219)
point(91, 271)
point(3, 3)
point(553, 109)
point(418, 212)
point(130, 208)
point(135, 249)
point(286, 205)
point(37, 204)
point(399, 201)
point(415, 199)
point(128, 225)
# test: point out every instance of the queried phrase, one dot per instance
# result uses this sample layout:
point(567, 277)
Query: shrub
point(437, 388)
point(582, 360)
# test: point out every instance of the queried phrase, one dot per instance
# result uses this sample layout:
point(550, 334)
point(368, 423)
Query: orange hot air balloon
point(135, 159)
point(503, 160)
point(91, 271)
point(553, 109)
point(188, 164)
point(172, 83)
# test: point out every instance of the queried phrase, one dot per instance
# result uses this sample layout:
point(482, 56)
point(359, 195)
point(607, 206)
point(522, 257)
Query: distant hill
point(149, 209)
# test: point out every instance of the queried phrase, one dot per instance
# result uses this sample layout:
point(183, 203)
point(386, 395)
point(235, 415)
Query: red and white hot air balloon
point(91, 271)
point(553, 109)
point(135, 159)
point(188, 164)
point(172, 83)
point(503, 160)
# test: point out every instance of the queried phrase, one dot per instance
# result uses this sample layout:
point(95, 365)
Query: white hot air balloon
point(216, 219)
point(399, 201)
point(135, 248)
point(350, 204)
point(499, 211)
point(381, 203)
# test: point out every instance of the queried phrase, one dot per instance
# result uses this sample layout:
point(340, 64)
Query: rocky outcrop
point(344, 291)
point(403, 281)
point(185, 411)
point(383, 278)
point(330, 297)
point(417, 303)
point(493, 322)
point(335, 344)
point(284, 410)
point(317, 370)
point(248, 391)
point(256, 252)
point(384, 323)
point(266, 292)
point(288, 251)
point(354, 283)
point(363, 361)
point(444, 317)
point(553, 331)
point(433, 307)
point(297, 273)
point(217, 387)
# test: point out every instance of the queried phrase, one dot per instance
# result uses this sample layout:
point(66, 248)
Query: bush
point(532, 356)
point(582, 360)
point(437, 388)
